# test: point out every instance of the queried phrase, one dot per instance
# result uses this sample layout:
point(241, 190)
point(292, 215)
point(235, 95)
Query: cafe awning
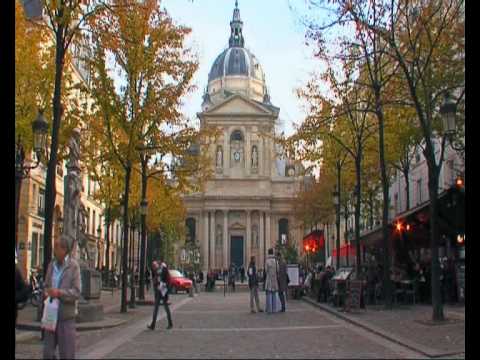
point(350, 249)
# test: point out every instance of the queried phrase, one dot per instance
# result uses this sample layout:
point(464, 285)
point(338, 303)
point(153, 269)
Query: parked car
point(178, 282)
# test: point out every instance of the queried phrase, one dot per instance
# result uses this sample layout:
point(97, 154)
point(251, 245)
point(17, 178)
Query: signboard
point(355, 294)
point(342, 273)
point(284, 239)
point(293, 275)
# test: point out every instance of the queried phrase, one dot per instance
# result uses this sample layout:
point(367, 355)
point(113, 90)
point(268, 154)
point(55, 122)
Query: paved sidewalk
point(29, 345)
point(411, 326)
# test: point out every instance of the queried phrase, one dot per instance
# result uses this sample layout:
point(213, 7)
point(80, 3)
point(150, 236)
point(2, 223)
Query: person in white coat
point(271, 282)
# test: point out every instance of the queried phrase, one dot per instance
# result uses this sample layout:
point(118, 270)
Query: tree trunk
point(50, 185)
point(358, 191)
point(141, 292)
point(123, 305)
point(406, 174)
point(433, 176)
point(338, 214)
point(370, 203)
point(385, 229)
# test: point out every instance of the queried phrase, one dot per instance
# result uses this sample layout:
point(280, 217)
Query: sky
point(272, 31)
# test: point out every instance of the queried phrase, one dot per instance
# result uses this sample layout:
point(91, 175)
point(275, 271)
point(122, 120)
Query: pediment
point(238, 104)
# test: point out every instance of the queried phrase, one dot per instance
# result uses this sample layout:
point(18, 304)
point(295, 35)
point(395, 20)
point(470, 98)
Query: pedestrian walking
point(147, 279)
point(271, 282)
point(62, 282)
point(253, 285)
point(161, 278)
point(282, 280)
point(231, 277)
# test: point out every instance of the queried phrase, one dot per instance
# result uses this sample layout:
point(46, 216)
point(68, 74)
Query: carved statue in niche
point(255, 236)
point(219, 157)
point(219, 236)
point(254, 157)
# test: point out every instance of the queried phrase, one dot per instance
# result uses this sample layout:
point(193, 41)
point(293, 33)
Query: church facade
point(247, 206)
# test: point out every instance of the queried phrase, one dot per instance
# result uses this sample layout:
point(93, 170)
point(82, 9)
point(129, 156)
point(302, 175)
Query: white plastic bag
point(162, 287)
point(50, 314)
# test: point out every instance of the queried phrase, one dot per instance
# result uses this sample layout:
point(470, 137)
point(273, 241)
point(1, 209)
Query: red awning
point(314, 240)
point(343, 251)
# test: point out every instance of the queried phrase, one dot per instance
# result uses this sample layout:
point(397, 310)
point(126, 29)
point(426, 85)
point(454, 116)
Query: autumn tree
point(64, 20)
point(143, 45)
point(426, 40)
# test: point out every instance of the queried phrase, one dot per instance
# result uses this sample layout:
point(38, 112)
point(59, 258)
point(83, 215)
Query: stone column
point(248, 244)
point(212, 239)
point(248, 153)
point(226, 152)
point(205, 243)
point(226, 246)
point(261, 237)
point(268, 240)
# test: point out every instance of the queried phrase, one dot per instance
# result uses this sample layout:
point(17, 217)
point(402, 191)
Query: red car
point(178, 282)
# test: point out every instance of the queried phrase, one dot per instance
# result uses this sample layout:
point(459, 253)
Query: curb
point(381, 332)
point(26, 336)
point(97, 325)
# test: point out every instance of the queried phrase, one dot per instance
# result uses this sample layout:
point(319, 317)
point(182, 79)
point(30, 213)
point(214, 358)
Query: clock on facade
point(291, 172)
point(236, 156)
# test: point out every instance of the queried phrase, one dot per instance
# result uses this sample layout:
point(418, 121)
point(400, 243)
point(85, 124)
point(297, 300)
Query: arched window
point(236, 136)
point(282, 231)
point(190, 223)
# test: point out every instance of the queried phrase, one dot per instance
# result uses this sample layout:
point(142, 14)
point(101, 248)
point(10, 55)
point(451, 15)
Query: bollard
point(190, 292)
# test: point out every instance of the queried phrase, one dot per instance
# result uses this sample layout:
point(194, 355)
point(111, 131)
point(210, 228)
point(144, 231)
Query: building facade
point(247, 206)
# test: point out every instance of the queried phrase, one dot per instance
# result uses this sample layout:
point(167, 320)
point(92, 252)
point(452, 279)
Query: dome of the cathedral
point(236, 69)
point(236, 61)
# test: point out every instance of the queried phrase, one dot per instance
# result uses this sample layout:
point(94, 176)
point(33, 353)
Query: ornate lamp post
point(22, 170)
point(99, 260)
point(336, 202)
point(143, 214)
point(448, 111)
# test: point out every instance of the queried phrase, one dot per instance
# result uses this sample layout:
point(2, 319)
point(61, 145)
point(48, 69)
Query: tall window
point(88, 220)
point(236, 135)
point(419, 191)
point(34, 193)
point(190, 223)
point(94, 229)
point(34, 258)
point(41, 202)
point(40, 241)
point(282, 230)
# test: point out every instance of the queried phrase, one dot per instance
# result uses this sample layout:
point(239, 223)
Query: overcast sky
point(271, 31)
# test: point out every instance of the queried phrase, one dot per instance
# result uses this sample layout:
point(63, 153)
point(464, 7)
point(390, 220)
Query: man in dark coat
point(161, 277)
point(282, 280)
point(253, 285)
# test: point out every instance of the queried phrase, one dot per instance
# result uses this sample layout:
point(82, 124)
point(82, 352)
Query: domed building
point(247, 206)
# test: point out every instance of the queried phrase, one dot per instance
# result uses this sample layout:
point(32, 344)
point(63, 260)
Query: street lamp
point(336, 202)
point(22, 170)
point(99, 232)
point(448, 112)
